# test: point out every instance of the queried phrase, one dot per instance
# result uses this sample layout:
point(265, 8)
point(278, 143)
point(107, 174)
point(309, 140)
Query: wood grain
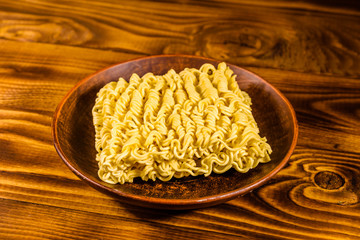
point(307, 49)
point(291, 201)
point(273, 38)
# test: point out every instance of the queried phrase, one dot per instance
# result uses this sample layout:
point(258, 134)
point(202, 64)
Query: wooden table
point(310, 50)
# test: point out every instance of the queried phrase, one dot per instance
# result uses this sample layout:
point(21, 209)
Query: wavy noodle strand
point(193, 123)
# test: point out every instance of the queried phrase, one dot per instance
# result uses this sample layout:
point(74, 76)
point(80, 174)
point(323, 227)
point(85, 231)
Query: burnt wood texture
point(309, 50)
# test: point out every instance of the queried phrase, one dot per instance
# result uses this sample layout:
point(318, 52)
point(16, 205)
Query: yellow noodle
point(195, 122)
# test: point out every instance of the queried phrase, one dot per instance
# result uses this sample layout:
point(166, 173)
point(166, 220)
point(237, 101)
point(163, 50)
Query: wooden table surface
point(310, 50)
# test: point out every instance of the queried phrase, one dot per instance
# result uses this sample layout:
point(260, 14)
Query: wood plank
point(289, 201)
point(309, 50)
point(327, 103)
point(274, 38)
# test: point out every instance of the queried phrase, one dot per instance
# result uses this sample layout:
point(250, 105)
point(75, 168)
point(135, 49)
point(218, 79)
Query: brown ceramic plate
point(74, 138)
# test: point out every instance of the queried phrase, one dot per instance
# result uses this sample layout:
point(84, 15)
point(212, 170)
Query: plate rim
point(170, 203)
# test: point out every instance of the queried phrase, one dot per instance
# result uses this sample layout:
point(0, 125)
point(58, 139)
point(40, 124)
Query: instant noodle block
point(182, 124)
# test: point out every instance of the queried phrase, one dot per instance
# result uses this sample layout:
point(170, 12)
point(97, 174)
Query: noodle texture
point(193, 123)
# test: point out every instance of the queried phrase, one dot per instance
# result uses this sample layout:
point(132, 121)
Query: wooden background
point(310, 50)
